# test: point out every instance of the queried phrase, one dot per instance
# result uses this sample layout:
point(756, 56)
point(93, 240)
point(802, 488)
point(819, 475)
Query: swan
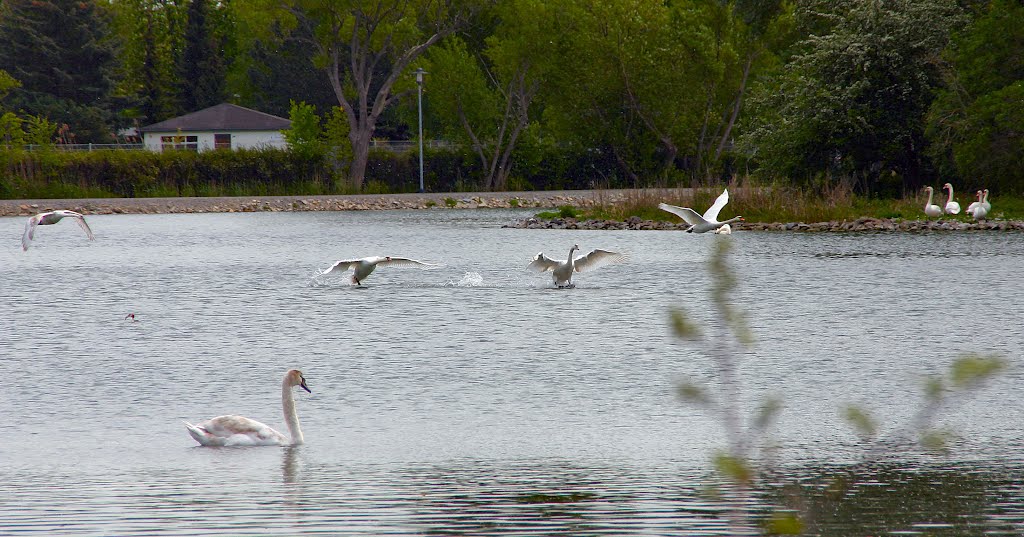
point(979, 212)
point(726, 229)
point(241, 431)
point(952, 207)
point(708, 222)
point(363, 267)
point(561, 271)
point(974, 204)
point(930, 209)
point(984, 200)
point(48, 218)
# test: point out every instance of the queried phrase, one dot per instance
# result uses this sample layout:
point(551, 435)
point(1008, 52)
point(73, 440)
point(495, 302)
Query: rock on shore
point(361, 202)
point(861, 224)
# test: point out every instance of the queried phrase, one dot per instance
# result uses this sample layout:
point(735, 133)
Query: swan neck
point(950, 200)
point(930, 192)
point(290, 416)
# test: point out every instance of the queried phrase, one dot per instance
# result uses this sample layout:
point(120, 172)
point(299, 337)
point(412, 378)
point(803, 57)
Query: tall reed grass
point(784, 203)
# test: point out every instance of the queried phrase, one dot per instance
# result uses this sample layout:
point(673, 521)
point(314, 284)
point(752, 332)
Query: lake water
point(475, 399)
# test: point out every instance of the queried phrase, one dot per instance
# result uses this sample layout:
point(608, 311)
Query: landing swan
point(363, 267)
point(930, 209)
point(48, 218)
point(241, 431)
point(561, 271)
point(952, 207)
point(708, 222)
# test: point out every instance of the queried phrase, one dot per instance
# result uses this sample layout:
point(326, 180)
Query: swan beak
point(304, 387)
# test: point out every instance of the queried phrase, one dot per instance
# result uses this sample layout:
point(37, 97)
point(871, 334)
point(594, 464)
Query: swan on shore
point(241, 431)
point(930, 209)
point(984, 201)
point(706, 222)
point(952, 207)
point(361, 268)
point(561, 271)
point(49, 218)
point(974, 204)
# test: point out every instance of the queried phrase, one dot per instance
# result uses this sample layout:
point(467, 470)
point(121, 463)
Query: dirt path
point(361, 202)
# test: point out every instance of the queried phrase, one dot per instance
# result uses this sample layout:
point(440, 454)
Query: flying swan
point(708, 222)
point(363, 267)
point(930, 209)
point(241, 431)
point(48, 218)
point(561, 271)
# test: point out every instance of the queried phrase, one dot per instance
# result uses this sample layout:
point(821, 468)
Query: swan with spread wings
point(561, 271)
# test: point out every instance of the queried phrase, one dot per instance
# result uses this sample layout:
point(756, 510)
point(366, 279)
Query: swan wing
point(689, 215)
point(405, 262)
point(235, 431)
point(595, 259)
point(30, 231)
point(711, 215)
point(82, 224)
point(341, 266)
point(542, 263)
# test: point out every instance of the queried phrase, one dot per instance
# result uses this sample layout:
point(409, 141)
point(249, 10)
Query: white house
point(224, 126)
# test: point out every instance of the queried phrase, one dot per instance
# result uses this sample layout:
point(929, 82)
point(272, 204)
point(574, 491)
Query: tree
point(201, 69)
point(631, 81)
point(748, 34)
point(974, 123)
point(491, 93)
point(851, 101)
point(59, 51)
point(364, 47)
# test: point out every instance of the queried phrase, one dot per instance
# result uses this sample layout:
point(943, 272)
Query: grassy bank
point(787, 204)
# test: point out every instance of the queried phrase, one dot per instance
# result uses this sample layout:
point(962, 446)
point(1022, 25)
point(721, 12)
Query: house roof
point(222, 117)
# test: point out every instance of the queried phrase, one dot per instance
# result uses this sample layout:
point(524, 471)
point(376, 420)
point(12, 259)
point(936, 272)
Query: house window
point(179, 142)
point(222, 141)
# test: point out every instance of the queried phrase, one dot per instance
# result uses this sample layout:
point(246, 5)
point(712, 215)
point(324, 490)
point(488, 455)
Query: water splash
point(470, 279)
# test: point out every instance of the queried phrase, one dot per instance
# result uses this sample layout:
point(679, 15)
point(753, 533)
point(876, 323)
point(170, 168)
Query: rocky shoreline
point(360, 202)
point(861, 224)
point(474, 200)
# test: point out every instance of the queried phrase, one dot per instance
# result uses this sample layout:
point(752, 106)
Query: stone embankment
point(361, 202)
point(861, 224)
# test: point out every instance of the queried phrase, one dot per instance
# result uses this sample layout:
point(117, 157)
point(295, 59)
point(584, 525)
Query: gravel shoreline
point(471, 200)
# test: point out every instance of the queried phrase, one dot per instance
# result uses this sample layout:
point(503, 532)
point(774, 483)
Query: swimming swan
point(561, 271)
point(48, 218)
point(363, 267)
point(241, 431)
point(952, 207)
point(707, 222)
point(930, 209)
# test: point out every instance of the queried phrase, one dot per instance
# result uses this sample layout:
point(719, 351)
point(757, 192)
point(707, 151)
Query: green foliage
point(969, 370)
point(60, 53)
point(736, 469)
point(305, 136)
point(201, 70)
point(861, 421)
point(973, 124)
point(450, 202)
point(851, 102)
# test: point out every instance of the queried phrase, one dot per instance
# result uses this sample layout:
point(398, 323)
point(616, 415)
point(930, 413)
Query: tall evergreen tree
point(59, 51)
point(201, 69)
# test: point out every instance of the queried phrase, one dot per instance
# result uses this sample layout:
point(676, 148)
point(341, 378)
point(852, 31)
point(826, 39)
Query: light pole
point(419, 83)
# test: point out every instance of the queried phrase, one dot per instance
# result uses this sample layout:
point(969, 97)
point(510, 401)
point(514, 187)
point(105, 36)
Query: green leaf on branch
point(683, 327)
point(972, 369)
point(861, 421)
point(734, 468)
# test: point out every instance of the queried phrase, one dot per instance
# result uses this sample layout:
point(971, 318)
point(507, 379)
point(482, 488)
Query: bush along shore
point(860, 224)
